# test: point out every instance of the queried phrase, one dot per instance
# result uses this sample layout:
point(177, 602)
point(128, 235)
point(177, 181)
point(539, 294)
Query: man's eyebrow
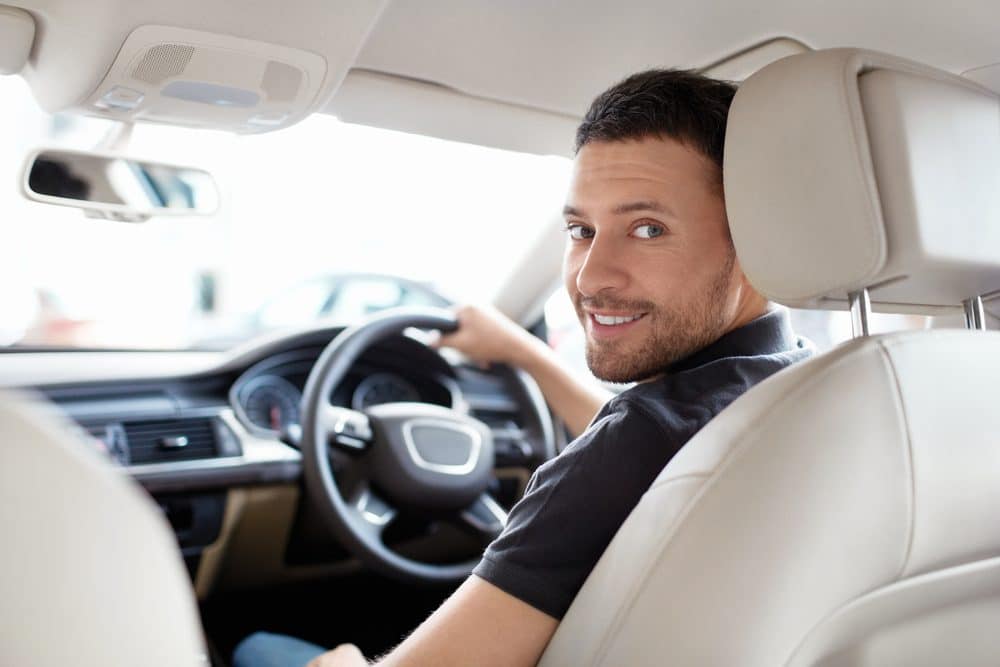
point(621, 209)
point(644, 205)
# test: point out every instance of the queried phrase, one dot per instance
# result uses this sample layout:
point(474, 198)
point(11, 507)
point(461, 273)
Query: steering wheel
point(411, 456)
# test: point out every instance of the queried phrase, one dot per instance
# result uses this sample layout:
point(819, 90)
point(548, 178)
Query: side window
point(829, 328)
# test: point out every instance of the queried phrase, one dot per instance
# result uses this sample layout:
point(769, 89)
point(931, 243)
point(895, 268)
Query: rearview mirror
point(116, 186)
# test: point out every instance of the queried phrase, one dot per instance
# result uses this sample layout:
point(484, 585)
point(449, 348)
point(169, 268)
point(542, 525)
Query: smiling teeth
point(612, 321)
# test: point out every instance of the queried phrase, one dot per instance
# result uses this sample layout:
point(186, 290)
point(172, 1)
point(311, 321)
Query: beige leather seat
point(91, 573)
point(847, 510)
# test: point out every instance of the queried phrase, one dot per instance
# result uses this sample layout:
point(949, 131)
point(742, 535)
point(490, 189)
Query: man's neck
point(749, 309)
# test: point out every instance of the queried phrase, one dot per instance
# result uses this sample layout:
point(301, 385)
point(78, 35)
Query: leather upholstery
point(91, 571)
point(868, 471)
point(847, 169)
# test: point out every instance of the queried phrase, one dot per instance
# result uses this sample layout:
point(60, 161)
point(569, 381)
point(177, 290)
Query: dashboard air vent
point(163, 440)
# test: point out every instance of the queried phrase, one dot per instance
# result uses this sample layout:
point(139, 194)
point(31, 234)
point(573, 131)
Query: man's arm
point(478, 625)
point(486, 336)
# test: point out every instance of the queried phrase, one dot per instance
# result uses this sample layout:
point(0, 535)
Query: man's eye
point(579, 232)
point(649, 231)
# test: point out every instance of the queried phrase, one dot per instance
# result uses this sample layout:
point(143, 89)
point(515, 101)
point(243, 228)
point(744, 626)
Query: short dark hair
point(679, 104)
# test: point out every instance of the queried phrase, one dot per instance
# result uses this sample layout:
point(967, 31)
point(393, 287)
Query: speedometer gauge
point(383, 388)
point(271, 402)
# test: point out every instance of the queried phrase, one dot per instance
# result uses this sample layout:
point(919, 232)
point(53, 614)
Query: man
point(651, 269)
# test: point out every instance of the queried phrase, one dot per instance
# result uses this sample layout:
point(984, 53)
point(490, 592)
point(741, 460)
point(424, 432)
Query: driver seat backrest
point(846, 511)
point(92, 574)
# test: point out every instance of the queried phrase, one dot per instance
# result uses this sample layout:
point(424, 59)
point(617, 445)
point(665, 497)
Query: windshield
point(322, 220)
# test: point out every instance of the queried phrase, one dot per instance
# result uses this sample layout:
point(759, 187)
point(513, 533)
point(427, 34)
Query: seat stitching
point(912, 509)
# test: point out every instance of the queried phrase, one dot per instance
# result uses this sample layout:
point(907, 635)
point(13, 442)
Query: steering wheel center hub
point(446, 447)
point(428, 457)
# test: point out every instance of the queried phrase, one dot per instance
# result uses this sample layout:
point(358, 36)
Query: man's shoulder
point(620, 425)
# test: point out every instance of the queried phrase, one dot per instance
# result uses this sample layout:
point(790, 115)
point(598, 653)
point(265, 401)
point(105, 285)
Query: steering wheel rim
point(359, 521)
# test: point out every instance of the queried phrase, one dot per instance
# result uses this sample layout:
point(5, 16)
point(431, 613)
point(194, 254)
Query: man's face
point(649, 262)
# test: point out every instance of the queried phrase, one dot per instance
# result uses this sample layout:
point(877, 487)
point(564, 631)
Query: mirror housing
point(117, 187)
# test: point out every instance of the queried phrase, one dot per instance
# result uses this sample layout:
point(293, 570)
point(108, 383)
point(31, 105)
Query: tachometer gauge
point(383, 388)
point(271, 402)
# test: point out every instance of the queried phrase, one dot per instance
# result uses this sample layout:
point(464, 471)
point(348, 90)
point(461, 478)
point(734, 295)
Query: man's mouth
point(615, 320)
point(607, 326)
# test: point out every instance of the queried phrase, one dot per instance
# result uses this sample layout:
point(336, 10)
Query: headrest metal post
point(975, 314)
point(861, 312)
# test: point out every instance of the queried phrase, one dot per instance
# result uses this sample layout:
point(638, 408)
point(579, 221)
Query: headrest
point(17, 34)
point(848, 169)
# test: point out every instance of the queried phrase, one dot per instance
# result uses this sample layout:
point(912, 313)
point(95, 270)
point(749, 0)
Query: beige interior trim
point(250, 550)
point(213, 555)
point(253, 553)
point(405, 104)
point(743, 63)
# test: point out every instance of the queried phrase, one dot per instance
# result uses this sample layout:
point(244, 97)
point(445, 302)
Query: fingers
point(461, 343)
point(455, 338)
point(482, 335)
point(434, 339)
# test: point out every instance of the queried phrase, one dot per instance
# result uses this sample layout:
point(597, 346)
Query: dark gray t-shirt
point(575, 503)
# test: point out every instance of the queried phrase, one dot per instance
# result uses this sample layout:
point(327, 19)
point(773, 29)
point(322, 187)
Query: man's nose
point(603, 267)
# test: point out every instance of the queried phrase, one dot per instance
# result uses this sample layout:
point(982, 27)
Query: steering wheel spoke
point(347, 429)
point(485, 516)
point(376, 512)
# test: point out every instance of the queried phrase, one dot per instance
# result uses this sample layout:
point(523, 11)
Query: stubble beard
point(676, 332)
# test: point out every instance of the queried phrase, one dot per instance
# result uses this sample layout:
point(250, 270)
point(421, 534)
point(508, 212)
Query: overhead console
point(192, 64)
point(189, 77)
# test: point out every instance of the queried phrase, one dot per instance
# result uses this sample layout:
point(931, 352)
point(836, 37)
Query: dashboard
point(225, 418)
point(192, 427)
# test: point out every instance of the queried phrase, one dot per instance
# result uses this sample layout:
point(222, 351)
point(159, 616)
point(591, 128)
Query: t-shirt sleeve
point(573, 506)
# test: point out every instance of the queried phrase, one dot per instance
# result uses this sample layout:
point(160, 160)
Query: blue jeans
point(263, 649)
